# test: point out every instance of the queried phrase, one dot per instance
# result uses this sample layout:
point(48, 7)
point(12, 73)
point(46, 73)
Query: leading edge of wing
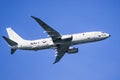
point(52, 33)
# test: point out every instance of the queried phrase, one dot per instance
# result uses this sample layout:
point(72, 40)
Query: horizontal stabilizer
point(9, 41)
point(12, 51)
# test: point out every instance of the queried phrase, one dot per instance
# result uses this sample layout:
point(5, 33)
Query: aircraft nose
point(108, 35)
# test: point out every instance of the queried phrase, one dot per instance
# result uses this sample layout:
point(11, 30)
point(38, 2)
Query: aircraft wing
point(56, 37)
point(61, 50)
point(52, 33)
point(59, 56)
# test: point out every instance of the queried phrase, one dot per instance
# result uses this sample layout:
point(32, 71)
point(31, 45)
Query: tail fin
point(11, 43)
point(13, 35)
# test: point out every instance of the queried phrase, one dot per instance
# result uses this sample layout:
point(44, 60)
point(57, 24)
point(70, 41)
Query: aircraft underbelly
point(82, 41)
point(36, 47)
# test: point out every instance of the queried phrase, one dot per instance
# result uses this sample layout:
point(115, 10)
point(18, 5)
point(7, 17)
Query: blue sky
point(95, 61)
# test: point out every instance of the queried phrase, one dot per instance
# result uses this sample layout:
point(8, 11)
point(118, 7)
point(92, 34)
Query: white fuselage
point(47, 43)
point(61, 43)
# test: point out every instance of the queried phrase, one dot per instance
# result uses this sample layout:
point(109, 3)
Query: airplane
point(60, 43)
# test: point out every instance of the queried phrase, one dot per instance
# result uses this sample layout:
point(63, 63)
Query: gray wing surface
point(52, 33)
point(59, 56)
point(56, 37)
point(61, 50)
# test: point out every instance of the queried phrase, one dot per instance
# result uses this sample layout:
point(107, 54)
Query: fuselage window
point(88, 37)
point(34, 43)
point(99, 35)
point(31, 43)
point(83, 34)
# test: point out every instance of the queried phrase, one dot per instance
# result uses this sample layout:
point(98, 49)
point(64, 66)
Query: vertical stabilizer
point(13, 35)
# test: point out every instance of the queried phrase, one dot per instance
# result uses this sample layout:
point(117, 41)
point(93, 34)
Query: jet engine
point(72, 50)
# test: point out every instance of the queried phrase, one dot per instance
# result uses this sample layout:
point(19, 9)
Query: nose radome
point(108, 35)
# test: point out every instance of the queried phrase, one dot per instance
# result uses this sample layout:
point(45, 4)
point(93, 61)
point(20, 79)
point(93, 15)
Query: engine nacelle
point(72, 50)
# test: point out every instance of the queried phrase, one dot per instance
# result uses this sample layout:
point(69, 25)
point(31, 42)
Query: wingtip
point(54, 62)
point(4, 37)
point(34, 17)
point(31, 16)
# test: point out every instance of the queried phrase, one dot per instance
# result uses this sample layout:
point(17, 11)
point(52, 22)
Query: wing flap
point(61, 50)
point(59, 56)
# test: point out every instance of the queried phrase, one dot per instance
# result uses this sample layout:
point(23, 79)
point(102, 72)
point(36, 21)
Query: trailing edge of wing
point(53, 33)
point(58, 57)
point(61, 50)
